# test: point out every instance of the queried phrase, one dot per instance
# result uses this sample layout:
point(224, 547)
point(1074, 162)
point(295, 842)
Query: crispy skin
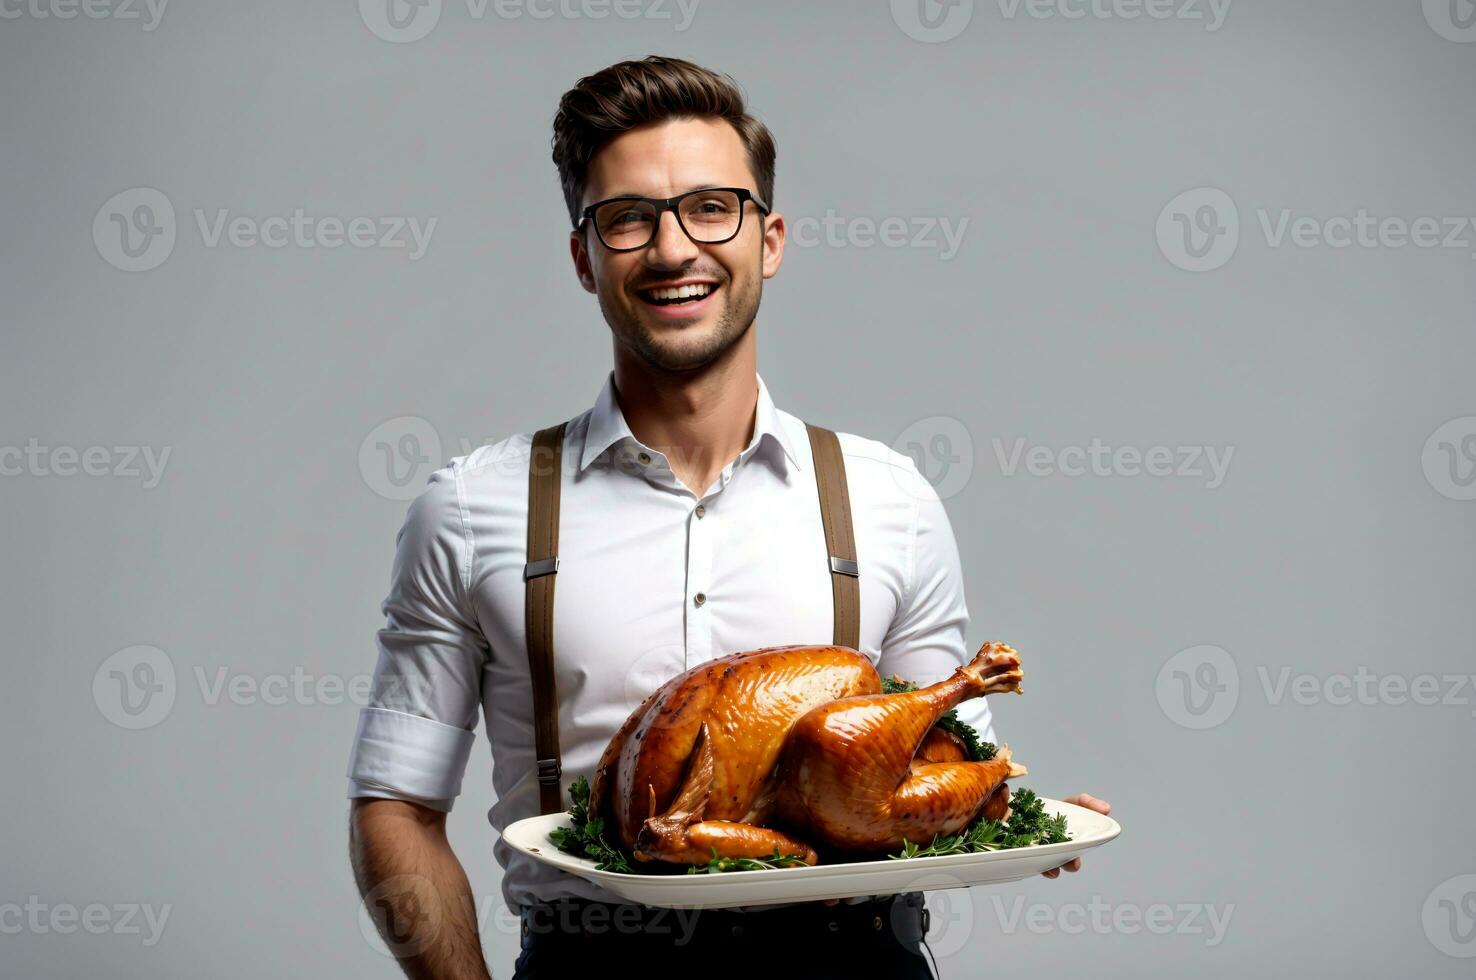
point(795, 749)
point(849, 771)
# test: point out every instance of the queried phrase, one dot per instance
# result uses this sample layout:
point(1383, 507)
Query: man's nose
point(671, 248)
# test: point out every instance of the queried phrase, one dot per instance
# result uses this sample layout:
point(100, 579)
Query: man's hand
point(1091, 803)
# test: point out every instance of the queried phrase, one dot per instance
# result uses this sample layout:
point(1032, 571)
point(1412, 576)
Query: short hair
point(632, 93)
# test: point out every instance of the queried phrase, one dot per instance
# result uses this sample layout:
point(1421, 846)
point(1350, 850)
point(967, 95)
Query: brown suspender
point(544, 466)
point(840, 542)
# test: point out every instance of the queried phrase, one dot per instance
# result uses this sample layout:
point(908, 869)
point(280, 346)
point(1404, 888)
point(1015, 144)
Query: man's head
point(658, 128)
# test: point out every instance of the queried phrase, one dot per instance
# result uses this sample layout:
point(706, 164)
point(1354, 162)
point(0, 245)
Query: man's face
point(663, 160)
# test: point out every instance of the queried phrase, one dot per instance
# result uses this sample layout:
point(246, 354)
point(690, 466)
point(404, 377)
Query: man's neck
point(701, 419)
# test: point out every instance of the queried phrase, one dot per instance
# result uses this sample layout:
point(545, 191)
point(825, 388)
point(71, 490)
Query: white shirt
point(633, 556)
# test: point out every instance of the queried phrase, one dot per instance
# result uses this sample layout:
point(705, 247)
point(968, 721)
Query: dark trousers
point(573, 938)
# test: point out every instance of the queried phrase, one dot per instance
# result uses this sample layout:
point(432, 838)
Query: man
point(688, 528)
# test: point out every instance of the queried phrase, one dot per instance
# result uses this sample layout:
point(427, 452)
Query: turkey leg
point(680, 835)
point(849, 769)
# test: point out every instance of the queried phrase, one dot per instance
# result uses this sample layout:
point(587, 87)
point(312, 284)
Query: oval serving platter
point(888, 876)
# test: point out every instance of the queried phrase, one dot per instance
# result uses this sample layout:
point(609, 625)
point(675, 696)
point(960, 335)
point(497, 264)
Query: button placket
point(698, 602)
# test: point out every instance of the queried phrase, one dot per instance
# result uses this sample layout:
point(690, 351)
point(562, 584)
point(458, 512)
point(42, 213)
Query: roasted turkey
point(795, 749)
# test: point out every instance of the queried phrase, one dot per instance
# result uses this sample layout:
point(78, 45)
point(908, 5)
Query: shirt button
point(700, 598)
point(701, 510)
point(644, 458)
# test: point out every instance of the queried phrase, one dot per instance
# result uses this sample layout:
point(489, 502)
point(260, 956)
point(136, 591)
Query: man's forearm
point(415, 889)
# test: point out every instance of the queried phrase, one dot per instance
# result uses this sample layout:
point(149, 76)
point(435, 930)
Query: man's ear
point(773, 243)
point(582, 267)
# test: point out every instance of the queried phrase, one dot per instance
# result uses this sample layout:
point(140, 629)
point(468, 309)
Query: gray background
point(1330, 833)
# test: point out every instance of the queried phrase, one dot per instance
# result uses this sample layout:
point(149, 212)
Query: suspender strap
point(840, 542)
point(544, 465)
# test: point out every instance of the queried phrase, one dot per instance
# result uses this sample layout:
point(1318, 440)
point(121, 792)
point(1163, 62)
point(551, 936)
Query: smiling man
point(684, 516)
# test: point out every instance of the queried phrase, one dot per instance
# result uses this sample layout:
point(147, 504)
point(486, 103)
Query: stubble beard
point(674, 350)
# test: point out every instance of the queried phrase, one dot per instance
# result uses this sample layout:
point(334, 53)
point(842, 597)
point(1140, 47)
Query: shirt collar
point(607, 426)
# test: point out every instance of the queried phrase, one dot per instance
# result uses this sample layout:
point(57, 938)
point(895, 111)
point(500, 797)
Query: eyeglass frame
point(664, 204)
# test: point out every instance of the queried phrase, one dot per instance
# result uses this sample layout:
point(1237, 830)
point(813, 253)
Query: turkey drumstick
point(849, 771)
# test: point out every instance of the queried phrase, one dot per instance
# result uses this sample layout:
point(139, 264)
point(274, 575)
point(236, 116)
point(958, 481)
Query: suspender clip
point(549, 771)
point(543, 566)
point(845, 566)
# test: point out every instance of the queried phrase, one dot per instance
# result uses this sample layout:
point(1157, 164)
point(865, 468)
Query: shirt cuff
point(397, 755)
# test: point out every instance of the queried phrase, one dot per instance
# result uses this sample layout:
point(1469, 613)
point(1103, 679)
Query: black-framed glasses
point(709, 216)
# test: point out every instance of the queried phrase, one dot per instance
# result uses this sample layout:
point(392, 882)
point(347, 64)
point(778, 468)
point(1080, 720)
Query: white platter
point(1088, 829)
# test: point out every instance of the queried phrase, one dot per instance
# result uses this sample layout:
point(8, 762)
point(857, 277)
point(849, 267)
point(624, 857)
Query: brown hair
point(631, 93)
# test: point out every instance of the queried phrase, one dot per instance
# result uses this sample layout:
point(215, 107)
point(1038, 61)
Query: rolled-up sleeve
point(927, 639)
point(417, 730)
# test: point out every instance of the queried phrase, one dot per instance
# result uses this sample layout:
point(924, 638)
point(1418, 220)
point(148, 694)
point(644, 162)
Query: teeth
point(681, 292)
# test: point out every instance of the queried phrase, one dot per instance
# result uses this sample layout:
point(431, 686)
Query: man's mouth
point(678, 300)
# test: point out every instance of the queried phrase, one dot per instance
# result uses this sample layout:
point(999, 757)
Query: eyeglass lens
point(708, 217)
